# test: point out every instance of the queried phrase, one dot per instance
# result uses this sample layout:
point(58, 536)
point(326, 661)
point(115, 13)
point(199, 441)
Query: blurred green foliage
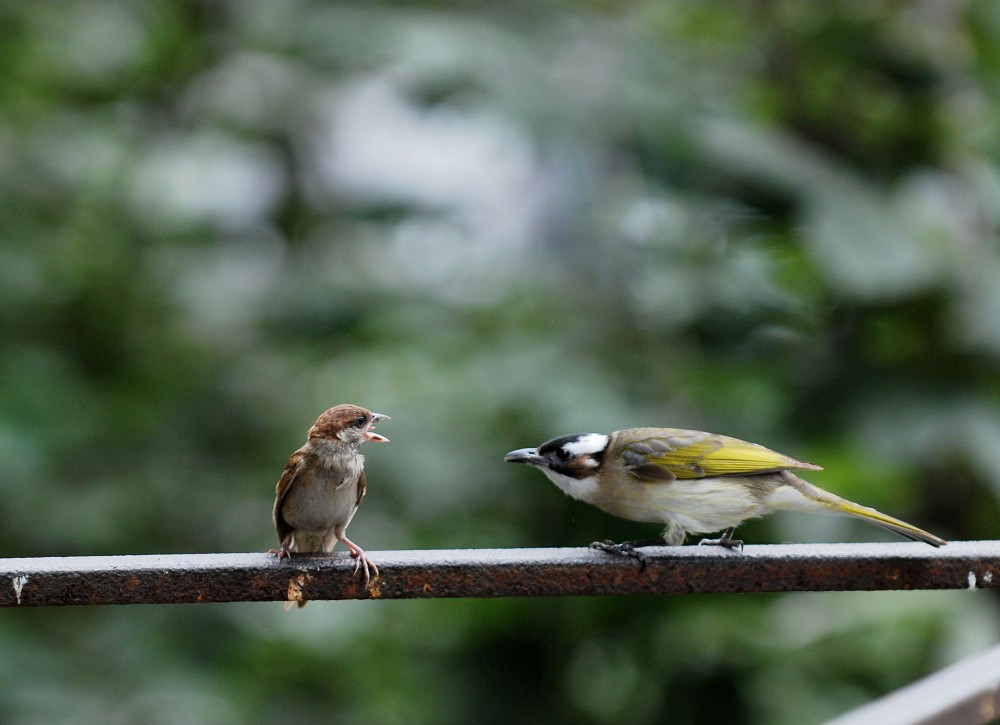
point(497, 222)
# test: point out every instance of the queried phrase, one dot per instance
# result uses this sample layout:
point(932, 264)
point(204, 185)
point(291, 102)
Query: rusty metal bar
point(188, 578)
point(966, 693)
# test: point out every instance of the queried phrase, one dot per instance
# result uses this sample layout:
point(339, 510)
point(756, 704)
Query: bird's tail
point(837, 505)
point(888, 522)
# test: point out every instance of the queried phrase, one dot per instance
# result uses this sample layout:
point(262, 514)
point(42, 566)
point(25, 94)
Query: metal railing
point(966, 693)
point(192, 578)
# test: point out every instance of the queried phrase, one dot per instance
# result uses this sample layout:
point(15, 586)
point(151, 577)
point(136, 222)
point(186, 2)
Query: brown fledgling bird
point(323, 484)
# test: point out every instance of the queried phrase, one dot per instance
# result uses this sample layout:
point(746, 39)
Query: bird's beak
point(527, 455)
point(370, 435)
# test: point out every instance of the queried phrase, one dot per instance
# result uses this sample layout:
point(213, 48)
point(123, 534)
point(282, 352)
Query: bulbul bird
point(690, 481)
point(323, 484)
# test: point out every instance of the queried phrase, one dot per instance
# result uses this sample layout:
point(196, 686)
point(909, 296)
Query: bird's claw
point(362, 562)
point(725, 542)
point(281, 553)
point(625, 548)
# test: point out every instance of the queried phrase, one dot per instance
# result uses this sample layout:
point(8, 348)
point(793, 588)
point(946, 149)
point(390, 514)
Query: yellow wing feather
point(696, 454)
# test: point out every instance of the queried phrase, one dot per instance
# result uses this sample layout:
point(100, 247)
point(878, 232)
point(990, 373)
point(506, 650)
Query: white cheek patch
point(589, 443)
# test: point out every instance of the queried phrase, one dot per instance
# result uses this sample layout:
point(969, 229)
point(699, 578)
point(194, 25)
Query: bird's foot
point(631, 549)
point(361, 561)
point(726, 541)
point(281, 553)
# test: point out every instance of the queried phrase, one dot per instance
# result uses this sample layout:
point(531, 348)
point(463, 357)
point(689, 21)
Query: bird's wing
point(288, 476)
point(653, 454)
point(362, 487)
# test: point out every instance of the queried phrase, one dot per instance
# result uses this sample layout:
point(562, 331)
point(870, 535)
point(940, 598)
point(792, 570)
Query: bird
point(323, 484)
point(690, 481)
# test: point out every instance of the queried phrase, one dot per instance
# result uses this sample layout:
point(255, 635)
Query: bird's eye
point(359, 421)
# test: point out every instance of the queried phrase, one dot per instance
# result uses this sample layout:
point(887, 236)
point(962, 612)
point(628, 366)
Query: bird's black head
point(576, 455)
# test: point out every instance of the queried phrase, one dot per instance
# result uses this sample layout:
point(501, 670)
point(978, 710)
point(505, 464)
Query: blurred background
point(497, 222)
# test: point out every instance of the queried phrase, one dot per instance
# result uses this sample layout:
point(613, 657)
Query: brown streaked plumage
point(323, 484)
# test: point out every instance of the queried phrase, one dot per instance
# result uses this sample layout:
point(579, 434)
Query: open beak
point(527, 455)
point(370, 435)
